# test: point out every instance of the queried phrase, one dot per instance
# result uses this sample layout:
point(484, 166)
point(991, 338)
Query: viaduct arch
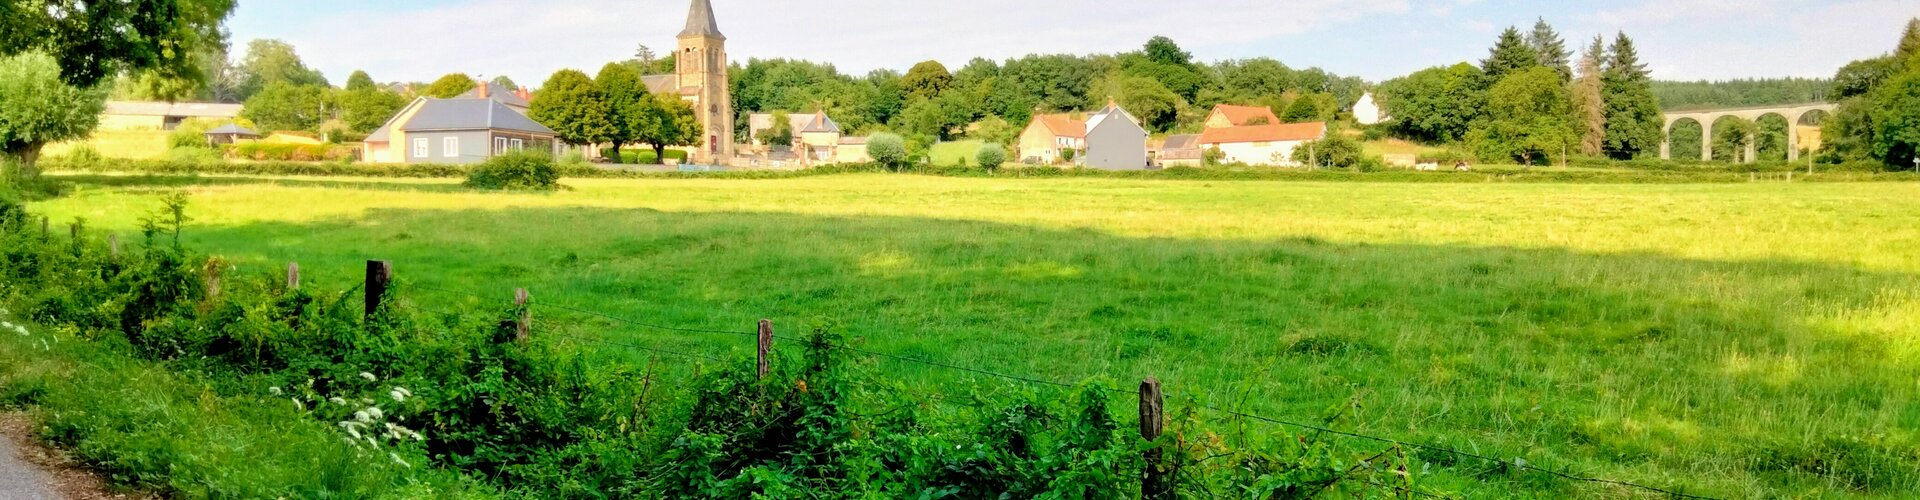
point(1705, 117)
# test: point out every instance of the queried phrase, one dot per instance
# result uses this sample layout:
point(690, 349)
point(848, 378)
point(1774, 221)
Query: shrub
point(1334, 151)
point(188, 155)
point(84, 156)
point(991, 156)
point(519, 171)
point(1066, 155)
point(888, 150)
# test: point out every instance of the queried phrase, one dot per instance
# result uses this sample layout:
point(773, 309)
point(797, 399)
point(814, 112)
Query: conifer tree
point(1909, 42)
point(1511, 54)
point(1551, 49)
point(1633, 120)
point(1589, 104)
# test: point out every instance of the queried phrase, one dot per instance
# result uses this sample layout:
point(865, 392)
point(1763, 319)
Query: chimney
point(525, 95)
point(483, 90)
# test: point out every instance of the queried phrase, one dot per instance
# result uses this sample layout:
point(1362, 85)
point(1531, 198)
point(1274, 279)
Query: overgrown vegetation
point(516, 171)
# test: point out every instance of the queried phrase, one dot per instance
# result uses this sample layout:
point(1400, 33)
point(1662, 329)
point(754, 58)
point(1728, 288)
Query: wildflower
point(397, 460)
point(397, 396)
point(403, 390)
point(298, 404)
point(351, 431)
point(351, 442)
point(362, 416)
point(373, 442)
point(337, 400)
point(369, 377)
point(20, 328)
point(374, 411)
point(274, 390)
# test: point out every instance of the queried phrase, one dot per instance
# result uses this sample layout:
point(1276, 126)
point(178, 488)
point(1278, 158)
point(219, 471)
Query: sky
point(527, 40)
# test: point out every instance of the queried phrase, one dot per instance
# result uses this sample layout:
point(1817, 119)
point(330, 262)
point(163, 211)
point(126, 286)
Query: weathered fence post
point(73, 231)
point(522, 329)
point(113, 245)
point(213, 278)
point(379, 275)
point(44, 232)
point(1153, 480)
point(766, 347)
point(293, 276)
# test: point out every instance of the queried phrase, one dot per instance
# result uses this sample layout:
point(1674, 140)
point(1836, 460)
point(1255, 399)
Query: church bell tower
point(701, 65)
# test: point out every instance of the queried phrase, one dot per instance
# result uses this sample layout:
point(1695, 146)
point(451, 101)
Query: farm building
point(461, 130)
point(1181, 150)
point(1048, 137)
point(153, 115)
point(1367, 111)
point(1262, 145)
point(1228, 115)
point(1116, 141)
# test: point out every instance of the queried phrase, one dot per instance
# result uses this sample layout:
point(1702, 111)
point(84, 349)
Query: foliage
point(780, 133)
point(1144, 98)
point(572, 106)
point(1435, 104)
point(1860, 77)
point(93, 41)
point(926, 80)
point(285, 106)
point(503, 81)
point(516, 171)
point(1879, 118)
point(1510, 54)
point(274, 62)
point(37, 107)
point(627, 104)
point(263, 151)
point(996, 130)
point(667, 121)
point(360, 80)
point(1742, 92)
point(1303, 109)
point(888, 150)
point(1530, 118)
point(1551, 51)
point(451, 85)
point(366, 108)
point(1589, 104)
point(1896, 138)
point(991, 156)
point(1336, 150)
point(1633, 114)
point(1732, 135)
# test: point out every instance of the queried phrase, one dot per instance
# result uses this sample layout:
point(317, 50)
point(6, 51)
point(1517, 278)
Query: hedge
point(261, 151)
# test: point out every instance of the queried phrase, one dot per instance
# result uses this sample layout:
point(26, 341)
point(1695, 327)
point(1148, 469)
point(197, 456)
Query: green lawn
point(956, 152)
point(1739, 340)
point(128, 144)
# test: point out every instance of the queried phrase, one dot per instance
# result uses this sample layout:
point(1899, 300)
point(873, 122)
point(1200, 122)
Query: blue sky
point(418, 40)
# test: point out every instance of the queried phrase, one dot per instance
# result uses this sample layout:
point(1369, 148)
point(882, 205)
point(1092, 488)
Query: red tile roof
point(1242, 115)
point(1063, 125)
point(1265, 133)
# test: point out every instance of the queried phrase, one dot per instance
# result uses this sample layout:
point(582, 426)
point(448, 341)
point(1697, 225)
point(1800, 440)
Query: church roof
point(700, 22)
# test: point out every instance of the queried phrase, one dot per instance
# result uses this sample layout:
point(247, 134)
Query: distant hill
point(1676, 95)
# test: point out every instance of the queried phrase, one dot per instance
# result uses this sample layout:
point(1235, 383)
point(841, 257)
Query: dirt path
point(31, 471)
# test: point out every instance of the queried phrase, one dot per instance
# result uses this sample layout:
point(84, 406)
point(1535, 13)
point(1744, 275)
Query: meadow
point(1735, 340)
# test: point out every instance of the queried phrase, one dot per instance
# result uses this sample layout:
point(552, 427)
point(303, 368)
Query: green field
point(955, 153)
point(1738, 340)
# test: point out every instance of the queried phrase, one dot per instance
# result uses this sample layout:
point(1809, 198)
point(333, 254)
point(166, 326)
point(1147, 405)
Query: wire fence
point(1517, 463)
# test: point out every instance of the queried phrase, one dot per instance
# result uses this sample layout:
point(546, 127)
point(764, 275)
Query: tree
point(1510, 54)
point(1896, 121)
point(1731, 136)
point(1144, 98)
point(625, 101)
point(1633, 113)
point(667, 121)
point(569, 104)
point(1551, 50)
point(1435, 104)
point(1336, 150)
point(1529, 118)
point(38, 107)
point(991, 155)
point(888, 150)
point(926, 80)
point(1163, 50)
point(285, 106)
point(1303, 109)
point(92, 41)
point(450, 86)
point(359, 80)
point(503, 81)
point(367, 108)
point(272, 61)
point(940, 117)
point(1909, 42)
point(1858, 78)
point(1589, 103)
point(996, 130)
point(781, 132)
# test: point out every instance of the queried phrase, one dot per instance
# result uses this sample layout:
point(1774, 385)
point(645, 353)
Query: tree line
point(1679, 95)
point(1531, 101)
point(1879, 114)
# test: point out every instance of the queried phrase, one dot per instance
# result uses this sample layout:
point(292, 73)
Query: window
point(499, 145)
point(450, 147)
point(419, 148)
point(519, 145)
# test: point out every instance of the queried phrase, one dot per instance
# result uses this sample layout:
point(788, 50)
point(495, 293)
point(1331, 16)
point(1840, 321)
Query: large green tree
point(1896, 121)
point(1510, 54)
point(270, 62)
point(1529, 119)
point(450, 86)
point(1633, 113)
point(1435, 104)
point(359, 80)
point(285, 106)
point(927, 79)
point(569, 104)
point(666, 121)
point(626, 99)
point(1145, 98)
point(365, 108)
point(93, 41)
point(38, 107)
point(1551, 49)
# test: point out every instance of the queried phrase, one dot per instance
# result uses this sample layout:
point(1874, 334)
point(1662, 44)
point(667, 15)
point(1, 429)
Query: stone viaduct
point(1794, 114)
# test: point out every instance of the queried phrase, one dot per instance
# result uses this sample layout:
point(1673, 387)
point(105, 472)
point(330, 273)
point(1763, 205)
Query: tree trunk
point(28, 154)
point(617, 159)
point(659, 154)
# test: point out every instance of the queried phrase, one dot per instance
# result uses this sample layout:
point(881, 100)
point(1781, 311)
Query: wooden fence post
point(44, 232)
point(522, 329)
point(1153, 480)
point(766, 347)
point(213, 278)
point(293, 275)
point(379, 275)
point(73, 231)
point(113, 245)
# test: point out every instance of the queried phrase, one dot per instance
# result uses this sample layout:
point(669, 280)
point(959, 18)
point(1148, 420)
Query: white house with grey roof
point(455, 131)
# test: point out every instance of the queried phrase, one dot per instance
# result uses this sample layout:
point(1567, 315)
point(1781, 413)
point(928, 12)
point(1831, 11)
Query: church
point(700, 77)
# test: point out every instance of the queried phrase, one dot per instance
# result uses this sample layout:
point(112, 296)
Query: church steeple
point(700, 22)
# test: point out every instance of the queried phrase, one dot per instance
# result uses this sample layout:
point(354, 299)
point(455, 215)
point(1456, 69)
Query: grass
point(1389, 146)
point(1738, 340)
point(126, 144)
point(956, 152)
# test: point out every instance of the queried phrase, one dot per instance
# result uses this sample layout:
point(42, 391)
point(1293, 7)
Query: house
point(852, 150)
point(1228, 115)
point(519, 99)
point(1181, 150)
point(1367, 111)
point(1047, 137)
point(458, 130)
point(816, 137)
point(1116, 141)
point(1264, 145)
point(153, 115)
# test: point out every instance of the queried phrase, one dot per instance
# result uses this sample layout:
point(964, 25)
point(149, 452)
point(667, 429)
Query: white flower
point(397, 460)
point(20, 328)
point(274, 390)
point(369, 377)
point(403, 390)
point(337, 400)
point(352, 442)
point(362, 416)
point(374, 411)
point(373, 442)
point(397, 396)
point(353, 432)
point(298, 404)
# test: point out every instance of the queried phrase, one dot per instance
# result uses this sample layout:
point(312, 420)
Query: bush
point(516, 171)
point(888, 150)
point(991, 156)
point(189, 155)
point(1333, 151)
point(84, 156)
point(266, 151)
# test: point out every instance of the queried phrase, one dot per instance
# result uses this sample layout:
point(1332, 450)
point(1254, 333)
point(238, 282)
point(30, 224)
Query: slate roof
point(508, 96)
point(700, 22)
point(1265, 133)
point(819, 123)
point(188, 109)
point(459, 114)
point(1182, 141)
point(232, 129)
point(662, 84)
point(1243, 115)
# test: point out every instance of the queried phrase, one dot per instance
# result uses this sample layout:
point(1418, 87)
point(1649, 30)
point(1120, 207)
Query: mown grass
point(1741, 340)
point(129, 144)
point(955, 153)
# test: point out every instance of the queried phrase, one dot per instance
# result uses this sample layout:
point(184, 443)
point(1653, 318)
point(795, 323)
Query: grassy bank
point(1744, 340)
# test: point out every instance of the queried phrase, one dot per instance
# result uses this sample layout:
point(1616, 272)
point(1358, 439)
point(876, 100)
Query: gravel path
point(19, 479)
